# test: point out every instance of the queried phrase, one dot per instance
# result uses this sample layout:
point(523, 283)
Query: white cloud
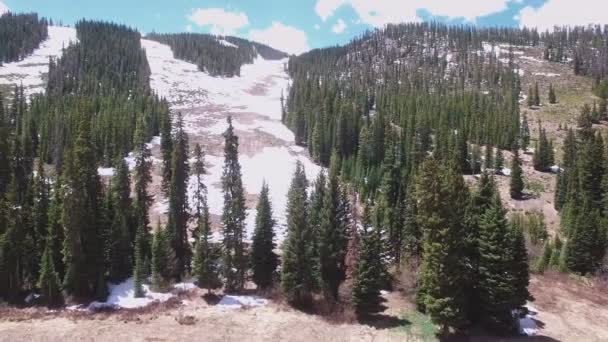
point(339, 27)
point(565, 12)
point(188, 28)
point(283, 37)
point(221, 21)
point(3, 8)
point(381, 12)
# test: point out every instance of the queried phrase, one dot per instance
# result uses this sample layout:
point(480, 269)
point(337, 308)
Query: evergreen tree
point(519, 269)
point(370, 269)
point(142, 200)
point(516, 185)
point(205, 257)
point(139, 271)
point(499, 161)
point(161, 259)
point(83, 246)
point(49, 283)
point(263, 259)
point(536, 95)
point(489, 157)
point(552, 97)
point(496, 283)
point(524, 133)
point(412, 234)
point(118, 245)
point(178, 201)
point(543, 261)
point(233, 215)
point(333, 234)
point(200, 189)
point(586, 245)
point(441, 197)
point(166, 148)
point(298, 277)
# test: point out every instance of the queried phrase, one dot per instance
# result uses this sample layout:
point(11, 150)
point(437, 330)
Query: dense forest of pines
point(397, 117)
point(216, 55)
point(20, 35)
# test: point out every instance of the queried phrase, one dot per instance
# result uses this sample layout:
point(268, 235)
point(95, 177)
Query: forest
point(397, 117)
point(20, 34)
point(216, 55)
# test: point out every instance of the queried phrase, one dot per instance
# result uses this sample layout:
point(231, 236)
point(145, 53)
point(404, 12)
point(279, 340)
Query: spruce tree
point(119, 243)
point(370, 269)
point(233, 215)
point(552, 97)
point(178, 201)
point(499, 162)
point(333, 234)
point(519, 269)
point(161, 260)
point(298, 276)
point(142, 200)
point(263, 259)
point(205, 257)
point(166, 148)
point(516, 185)
point(200, 189)
point(489, 157)
point(139, 269)
point(496, 283)
point(441, 196)
point(536, 95)
point(49, 283)
point(524, 133)
point(83, 246)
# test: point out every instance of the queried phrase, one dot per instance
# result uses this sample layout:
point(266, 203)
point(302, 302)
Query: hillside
point(173, 185)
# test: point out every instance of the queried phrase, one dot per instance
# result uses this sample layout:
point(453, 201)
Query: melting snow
point(227, 43)
point(123, 296)
point(105, 171)
point(527, 324)
point(206, 101)
point(546, 74)
point(31, 71)
point(237, 302)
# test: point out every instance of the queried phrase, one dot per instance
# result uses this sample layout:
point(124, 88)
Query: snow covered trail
point(267, 149)
point(32, 70)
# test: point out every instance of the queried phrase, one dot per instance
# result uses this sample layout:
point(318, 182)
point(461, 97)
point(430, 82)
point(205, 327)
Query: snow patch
point(546, 74)
point(105, 171)
point(122, 295)
point(227, 43)
point(237, 302)
point(527, 324)
point(505, 171)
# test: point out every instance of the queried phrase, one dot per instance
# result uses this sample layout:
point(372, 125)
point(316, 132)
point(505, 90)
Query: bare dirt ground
point(194, 320)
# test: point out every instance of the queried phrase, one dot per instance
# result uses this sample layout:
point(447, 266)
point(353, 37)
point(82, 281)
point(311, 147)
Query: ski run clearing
point(267, 150)
point(32, 70)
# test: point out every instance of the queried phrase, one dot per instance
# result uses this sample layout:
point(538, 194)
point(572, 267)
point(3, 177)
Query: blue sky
point(298, 25)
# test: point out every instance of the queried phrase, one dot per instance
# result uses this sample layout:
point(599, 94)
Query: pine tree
point(441, 197)
point(552, 97)
point(83, 246)
point(142, 200)
point(524, 133)
point(370, 269)
point(298, 277)
point(585, 248)
point(138, 270)
point(536, 95)
point(263, 259)
point(516, 185)
point(489, 157)
point(412, 234)
point(200, 189)
point(49, 283)
point(166, 148)
point(161, 260)
point(333, 234)
point(119, 240)
point(495, 281)
point(205, 257)
point(519, 269)
point(233, 215)
point(531, 99)
point(178, 201)
point(499, 162)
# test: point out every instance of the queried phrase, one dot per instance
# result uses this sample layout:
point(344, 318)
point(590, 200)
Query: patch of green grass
point(418, 326)
point(535, 187)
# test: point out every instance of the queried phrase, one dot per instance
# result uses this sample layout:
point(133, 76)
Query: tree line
point(216, 55)
point(20, 35)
